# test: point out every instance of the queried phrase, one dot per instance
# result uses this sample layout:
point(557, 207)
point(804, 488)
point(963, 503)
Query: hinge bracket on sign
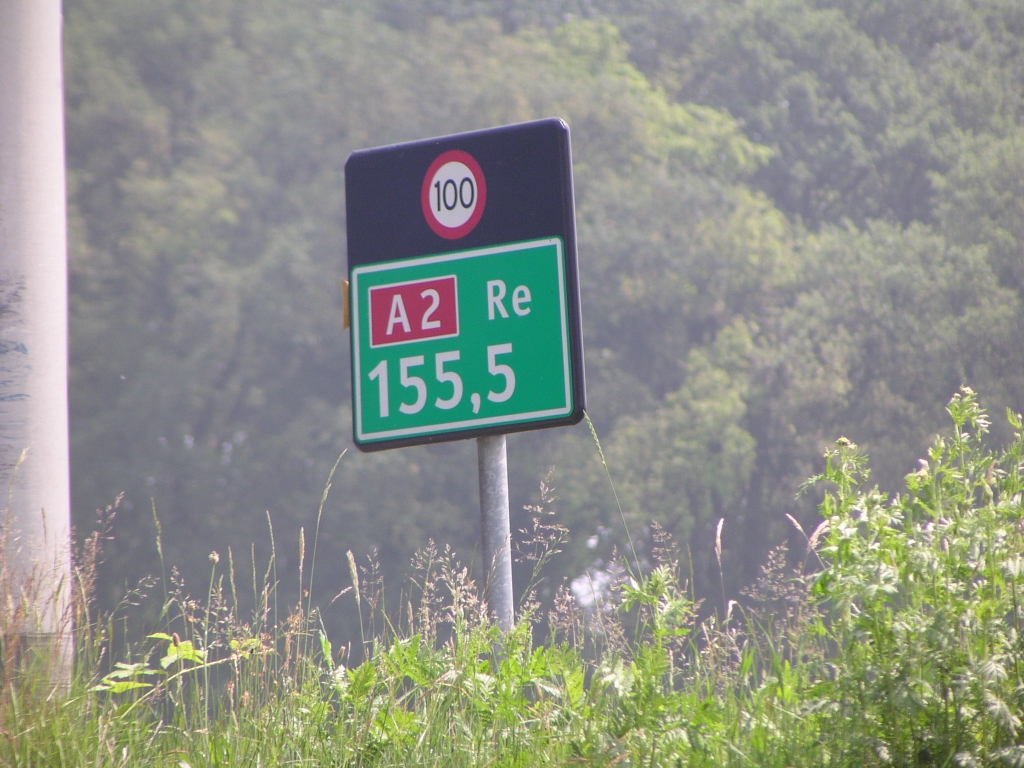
point(345, 319)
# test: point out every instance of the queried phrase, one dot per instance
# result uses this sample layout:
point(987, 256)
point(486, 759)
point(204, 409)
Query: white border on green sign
point(512, 418)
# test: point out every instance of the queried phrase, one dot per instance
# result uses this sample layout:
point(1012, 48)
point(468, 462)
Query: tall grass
point(896, 642)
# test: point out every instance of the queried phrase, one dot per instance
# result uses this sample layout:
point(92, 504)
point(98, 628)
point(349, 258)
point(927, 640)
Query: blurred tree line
point(797, 219)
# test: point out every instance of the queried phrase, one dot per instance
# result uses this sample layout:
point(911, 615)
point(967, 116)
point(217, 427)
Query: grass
point(896, 642)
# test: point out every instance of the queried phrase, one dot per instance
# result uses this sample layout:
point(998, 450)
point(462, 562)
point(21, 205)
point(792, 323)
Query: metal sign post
point(464, 303)
point(492, 464)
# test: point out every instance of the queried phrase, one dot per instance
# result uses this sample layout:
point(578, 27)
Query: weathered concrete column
point(34, 484)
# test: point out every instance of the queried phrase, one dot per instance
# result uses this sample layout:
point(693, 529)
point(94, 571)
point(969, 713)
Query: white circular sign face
point(453, 194)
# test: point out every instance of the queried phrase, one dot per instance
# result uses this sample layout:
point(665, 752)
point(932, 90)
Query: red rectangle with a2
point(414, 311)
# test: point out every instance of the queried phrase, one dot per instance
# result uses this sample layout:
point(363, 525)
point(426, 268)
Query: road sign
point(464, 288)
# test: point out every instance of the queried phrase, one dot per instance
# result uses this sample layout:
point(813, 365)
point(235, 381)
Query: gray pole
point(497, 535)
point(35, 565)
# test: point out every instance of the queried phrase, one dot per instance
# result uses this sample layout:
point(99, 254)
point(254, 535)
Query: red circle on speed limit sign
point(454, 194)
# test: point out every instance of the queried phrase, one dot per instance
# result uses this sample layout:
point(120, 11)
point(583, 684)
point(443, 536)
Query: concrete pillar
point(34, 474)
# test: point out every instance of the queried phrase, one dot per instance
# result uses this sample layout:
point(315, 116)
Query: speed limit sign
point(454, 194)
point(464, 292)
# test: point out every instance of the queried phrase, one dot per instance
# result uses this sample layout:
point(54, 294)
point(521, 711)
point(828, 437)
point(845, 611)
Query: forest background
point(797, 220)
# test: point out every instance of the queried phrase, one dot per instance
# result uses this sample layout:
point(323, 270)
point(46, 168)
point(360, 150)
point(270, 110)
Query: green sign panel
point(461, 341)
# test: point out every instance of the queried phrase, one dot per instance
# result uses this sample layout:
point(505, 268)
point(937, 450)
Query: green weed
point(895, 642)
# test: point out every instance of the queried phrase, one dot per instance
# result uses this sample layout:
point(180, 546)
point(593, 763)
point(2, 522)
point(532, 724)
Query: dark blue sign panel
point(464, 286)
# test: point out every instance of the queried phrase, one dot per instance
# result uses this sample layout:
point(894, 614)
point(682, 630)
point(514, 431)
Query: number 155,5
point(416, 383)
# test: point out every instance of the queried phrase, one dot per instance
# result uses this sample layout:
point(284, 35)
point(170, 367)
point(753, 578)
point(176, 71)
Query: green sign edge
point(462, 426)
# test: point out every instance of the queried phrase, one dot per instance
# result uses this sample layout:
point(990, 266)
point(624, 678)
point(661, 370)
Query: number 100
point(463, 193)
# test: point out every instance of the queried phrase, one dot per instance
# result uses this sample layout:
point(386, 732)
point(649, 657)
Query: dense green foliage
point(896, 643)
point(797, 219)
